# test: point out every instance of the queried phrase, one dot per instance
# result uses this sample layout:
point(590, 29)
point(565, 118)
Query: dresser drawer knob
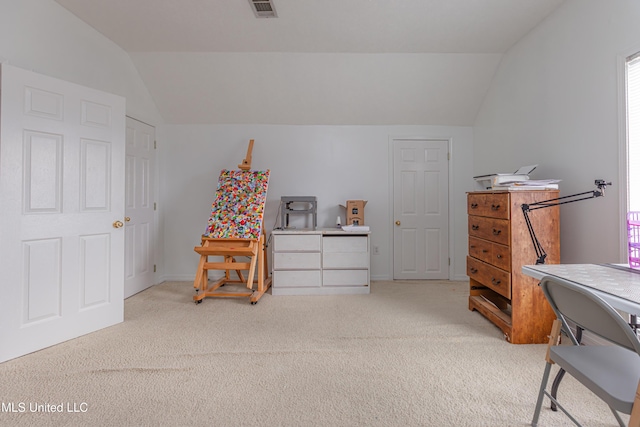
point(495, 207)
point(496, 232)
point(484, 251)
point(499, 256)
point(495, 281)
point(474, 205)
point(474, 226)
point(473, 270)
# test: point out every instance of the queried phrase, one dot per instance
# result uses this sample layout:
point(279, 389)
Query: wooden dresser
point(499, 245)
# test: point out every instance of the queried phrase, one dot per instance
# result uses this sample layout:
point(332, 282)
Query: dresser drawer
point(344, 244)
point(296, 261)
point(297, 279)
point(493, 205)
point(345, 277)
point(491, 253)
point(489, 276)
point(345, 260)
point(297, 242)
point(492, 229)
point(501, 257)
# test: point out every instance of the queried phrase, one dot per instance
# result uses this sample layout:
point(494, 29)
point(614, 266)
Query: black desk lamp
point(526, 208)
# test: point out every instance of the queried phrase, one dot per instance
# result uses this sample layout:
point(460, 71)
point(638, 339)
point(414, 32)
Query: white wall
point(333, 163)
point(555, 101)
point(317, 88)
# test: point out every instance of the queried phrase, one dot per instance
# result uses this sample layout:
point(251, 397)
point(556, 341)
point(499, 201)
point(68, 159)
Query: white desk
point(618, 285)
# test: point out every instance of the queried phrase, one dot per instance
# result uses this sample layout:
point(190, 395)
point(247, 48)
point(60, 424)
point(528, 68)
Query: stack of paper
point(359, 228)
point(531, 184)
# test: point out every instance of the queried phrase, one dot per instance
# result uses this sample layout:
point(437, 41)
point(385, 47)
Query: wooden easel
point(246, 163)
point(229, 249)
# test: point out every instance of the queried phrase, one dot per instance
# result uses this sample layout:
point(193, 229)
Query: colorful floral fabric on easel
point(238, 209)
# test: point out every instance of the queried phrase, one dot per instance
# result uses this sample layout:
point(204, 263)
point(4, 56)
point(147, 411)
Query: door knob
point(397, 222)
point(127, 219)
point(118, 224)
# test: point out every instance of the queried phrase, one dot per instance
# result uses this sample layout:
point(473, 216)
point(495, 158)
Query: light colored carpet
point(408, 354)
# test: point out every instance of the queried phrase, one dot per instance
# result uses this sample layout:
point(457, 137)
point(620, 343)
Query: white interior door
point(140, 210)
point(421, 209)
point(61, 190)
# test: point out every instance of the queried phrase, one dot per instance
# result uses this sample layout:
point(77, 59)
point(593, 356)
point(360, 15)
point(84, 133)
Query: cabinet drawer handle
point(473, 270)
point(475, 227)
point(496, 232)
point(499, 256)
point(495, 207)
point(495, 281)
point(474, 205)
point(484, 251)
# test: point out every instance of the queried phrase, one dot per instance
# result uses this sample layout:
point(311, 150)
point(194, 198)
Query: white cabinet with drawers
point(320, 262)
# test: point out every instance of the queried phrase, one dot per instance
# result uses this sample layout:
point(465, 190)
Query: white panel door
point(61, 191)
point(421, 209)
point(140, 213)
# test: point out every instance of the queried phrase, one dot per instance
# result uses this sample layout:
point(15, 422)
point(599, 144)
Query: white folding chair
point(612, 372)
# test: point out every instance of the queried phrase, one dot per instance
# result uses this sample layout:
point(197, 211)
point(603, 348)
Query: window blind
point(633, 131)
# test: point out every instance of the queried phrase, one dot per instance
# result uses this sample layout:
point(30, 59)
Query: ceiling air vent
point(263, 8)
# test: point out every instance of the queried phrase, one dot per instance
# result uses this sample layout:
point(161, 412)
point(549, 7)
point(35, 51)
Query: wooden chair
point(611, 372)
point(235, 230)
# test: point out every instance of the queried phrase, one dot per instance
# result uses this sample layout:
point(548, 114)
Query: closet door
point(420, 209)
point(140, 223)
point(62, 209)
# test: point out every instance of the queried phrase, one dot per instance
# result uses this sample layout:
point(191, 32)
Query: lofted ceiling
point(213, 61)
